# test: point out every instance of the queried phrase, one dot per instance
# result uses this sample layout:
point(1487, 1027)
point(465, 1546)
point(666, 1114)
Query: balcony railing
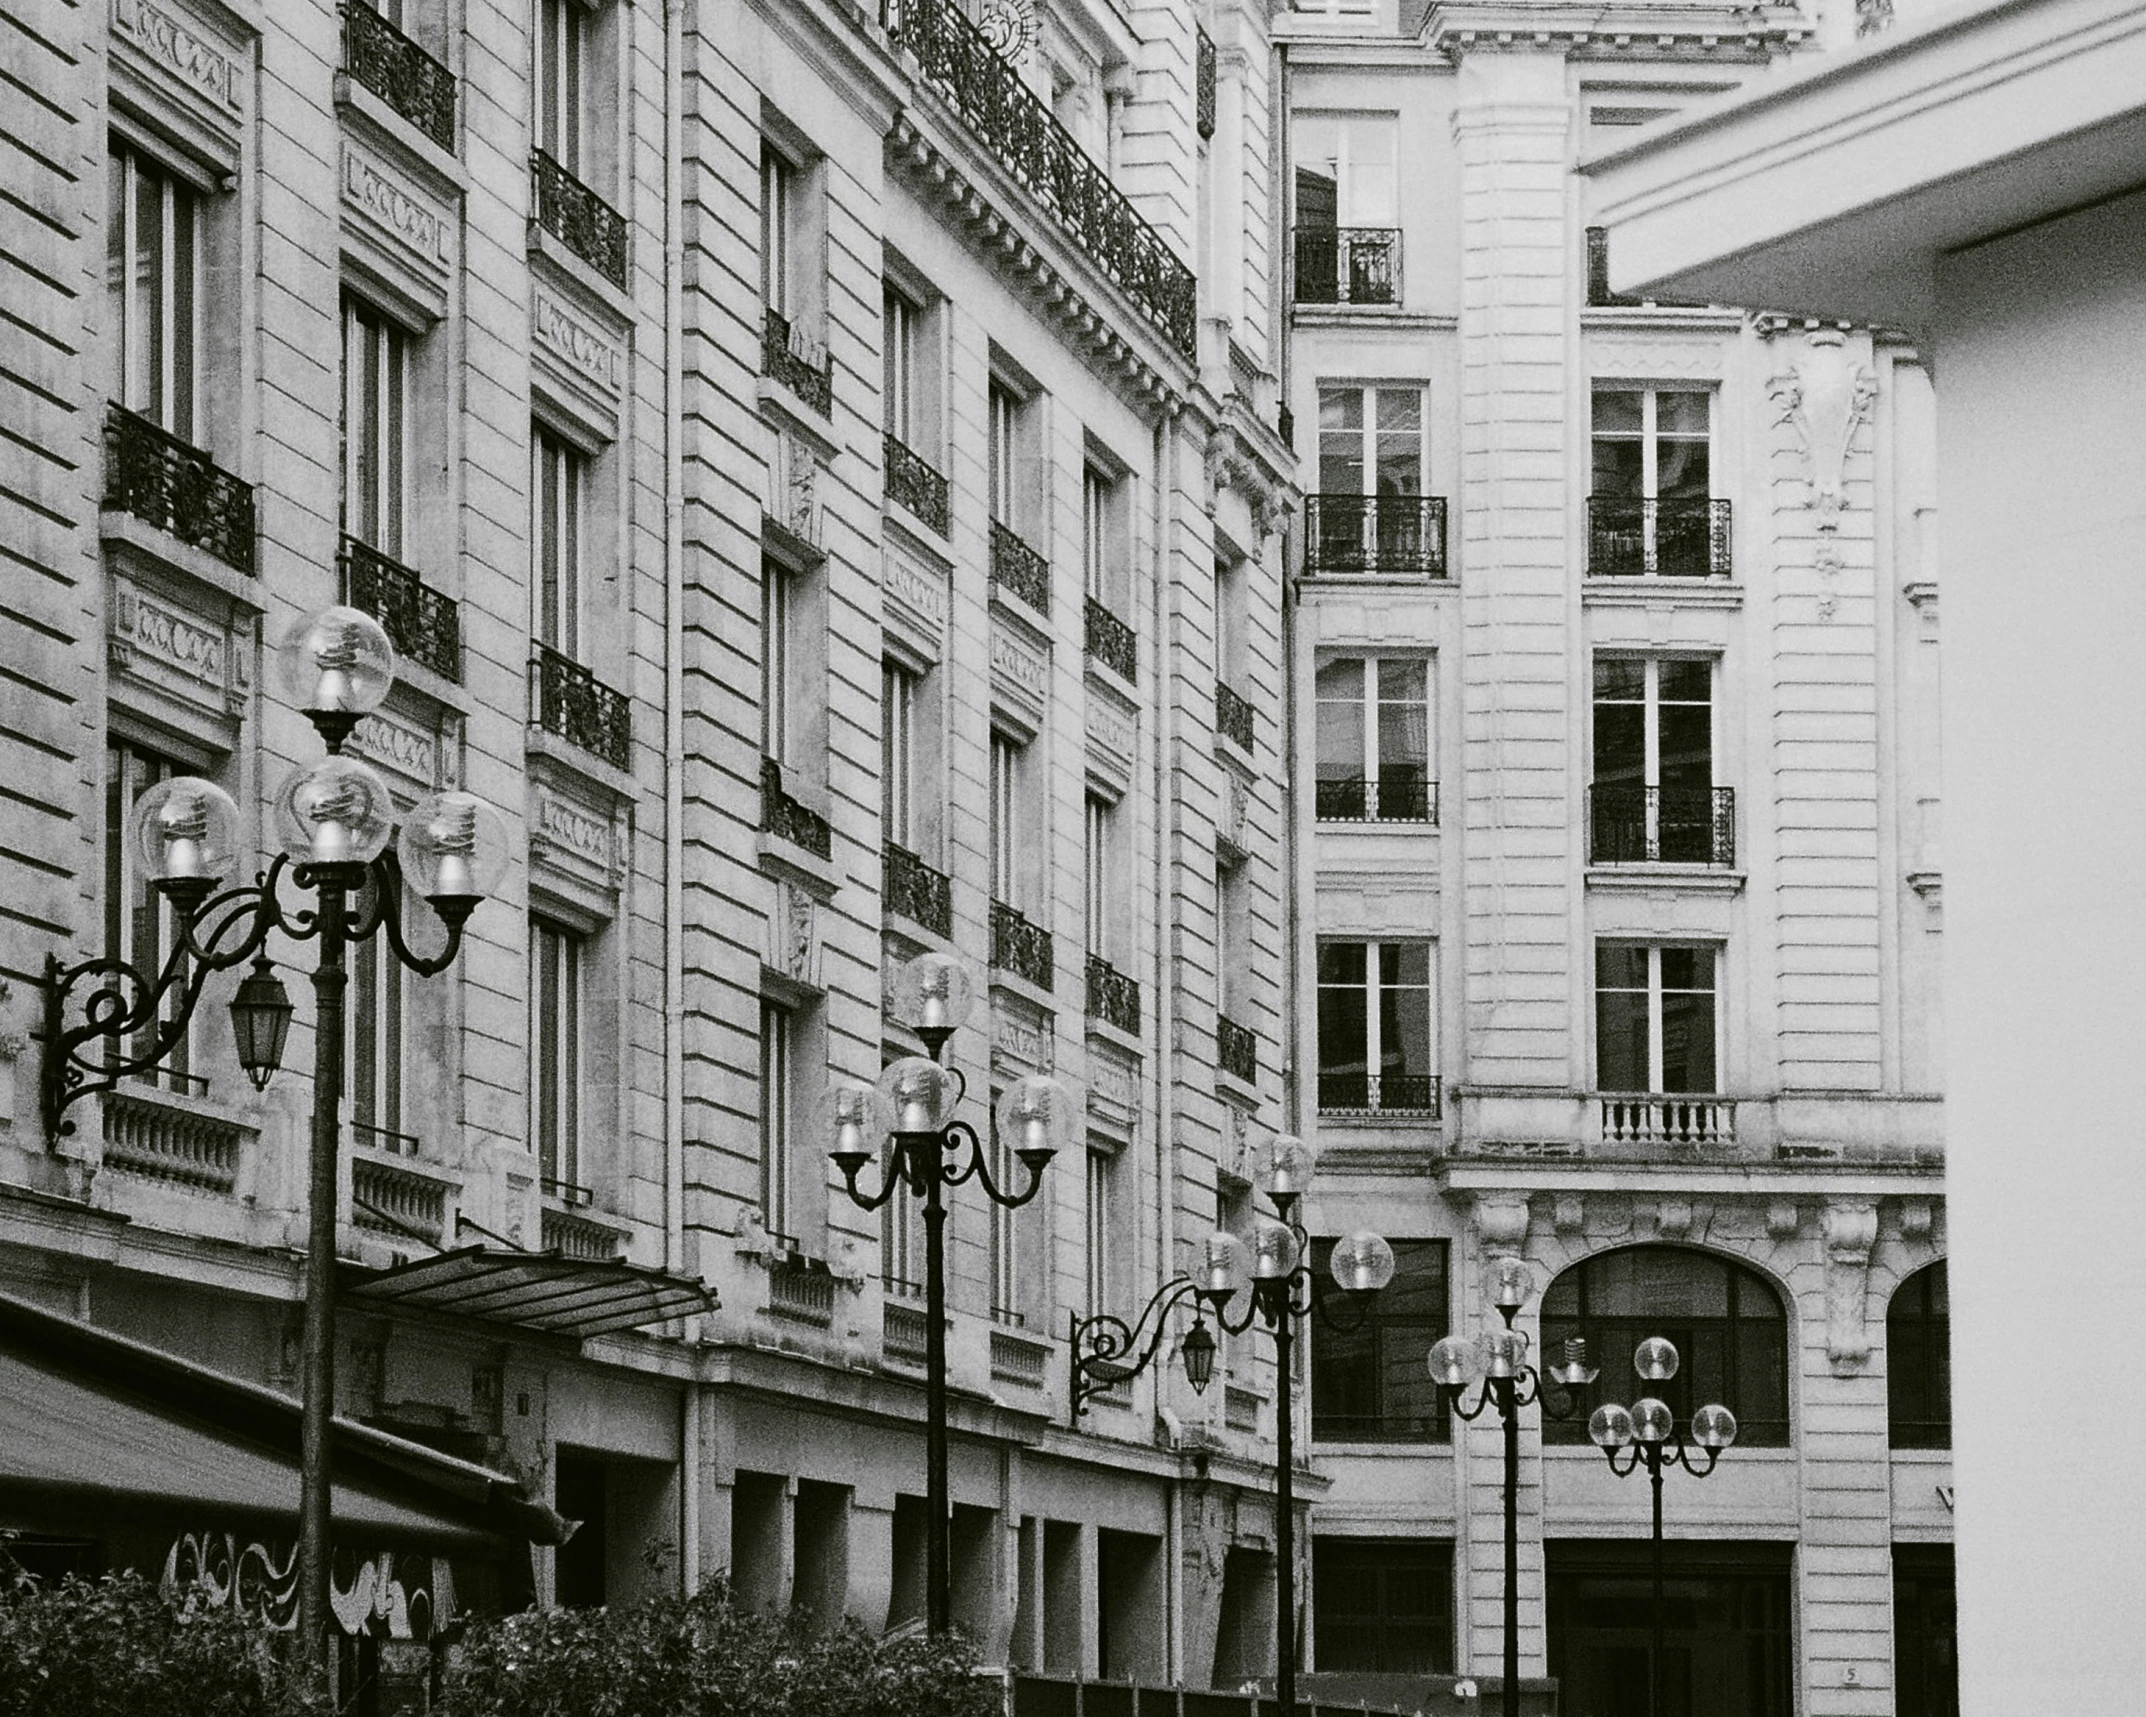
point(903, 1332)
point(1203, 83)
point(152, 474)
point(1111, 641)
point(1009, 119)
point(802, 1289)
point(424, 626)
point(1662, 825)
point(1418, 1094)
point(1113, 998)
point(1658, 1118)
point(1396, 535)
point(789, 819)
point(164, 1141)
point(579, 1237)
point(917, 892)
point(788, 359)
point(1675, 537)
point(578, 218)
point(913, 482)
point(1361, 799)
point(1018, 568)
point(574, 704)
point(1233, 718)
point(411, 82)
point(1237, 1050)
point(396, 1203)
point(1348, 265)
point(1022, 948)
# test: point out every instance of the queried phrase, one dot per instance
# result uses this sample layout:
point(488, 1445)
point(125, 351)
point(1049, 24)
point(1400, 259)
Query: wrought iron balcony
point(152, 474)
point(1022, 948)
point(1371, 799)
point(919, 893)
point(1348, 265)
point(1662, 825)
point(1417, 1094)
point(783, 359)
point(1237, 1050)
point(574, 704)
point(411, 82)
point(1018, 568)
point(1233, 718)
point(1676, 537)
point(578, 218)
point(1011, 121)
point(1402, 536)
point(1113, 998)
point(1667, 1118)
point(790, 819)
point(424, 626)
point(1111, 641)
point(911, 481)
point(1203, 83)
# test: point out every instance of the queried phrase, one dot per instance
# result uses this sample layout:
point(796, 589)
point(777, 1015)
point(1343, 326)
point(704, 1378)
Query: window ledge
point(565, 755)
point(578, 275)
point(1322, 583)
point(1105, 675)
point(1664, 879)
point(389, 128)
point(1653, 592)
point(128, 539)
point(793, 863)
point(1001, 978)
point(1130, 1042)
point(1370, 316)
point(787, 408)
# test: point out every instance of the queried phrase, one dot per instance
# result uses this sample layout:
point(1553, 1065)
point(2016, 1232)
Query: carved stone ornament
point(799, 928)
point(1673, 1218)
point(1501, 1221)
point(1783, 1218)
point(1824, 396)
point(1850, 1229)
point(1571, 1213)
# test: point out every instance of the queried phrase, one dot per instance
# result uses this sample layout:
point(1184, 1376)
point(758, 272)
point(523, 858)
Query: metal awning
point(548, 1291)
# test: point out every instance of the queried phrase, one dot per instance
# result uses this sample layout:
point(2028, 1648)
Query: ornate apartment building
point(1613, 673)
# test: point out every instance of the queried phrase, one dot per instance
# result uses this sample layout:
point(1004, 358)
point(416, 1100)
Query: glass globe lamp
point(1505, 1351)
point(1610, 1426)
point(185, 834)
point(454, 851)
point(337, 666)
point(915, 1096)
point(933, 995)
point(846, 1117)
point(1713, 1427)
point(1287, 1171)
point(1361, 1263)
point(1224, 1266)
point(338, 812)
point(1038, 1117)
point(1275, 1252)
point(1453, 1362)
point(1510, 1284)
point(1655, 1359)
point(1652, 1420)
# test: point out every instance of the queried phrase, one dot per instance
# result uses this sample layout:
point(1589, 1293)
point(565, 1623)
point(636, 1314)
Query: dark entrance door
point(1926, 1667)
point(1726, 1630)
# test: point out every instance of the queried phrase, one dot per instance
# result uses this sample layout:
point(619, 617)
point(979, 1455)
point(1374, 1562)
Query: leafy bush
point(704, 1657)
point(118, 1647)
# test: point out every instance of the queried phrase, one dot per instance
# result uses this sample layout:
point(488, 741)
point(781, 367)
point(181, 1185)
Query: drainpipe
point(1165, 523)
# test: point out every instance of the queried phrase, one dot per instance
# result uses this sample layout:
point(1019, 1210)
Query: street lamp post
point(1498, 1361)
point(333, 821)
point(929, 1152)
point(1647, 1434)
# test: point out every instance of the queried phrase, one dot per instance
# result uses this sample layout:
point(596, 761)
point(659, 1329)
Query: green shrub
point(118, 1647)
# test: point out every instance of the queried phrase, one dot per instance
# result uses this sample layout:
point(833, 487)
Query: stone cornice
point(1646, 31)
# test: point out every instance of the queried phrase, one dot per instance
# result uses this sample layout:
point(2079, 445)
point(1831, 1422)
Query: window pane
point(1341, 441)
point(1688, 969)
point(1681, 414)
point(1620, 966)
point(1621, 1062)
point(1340, 740)
point(1342, 963)
point(1687, 1041)
point(1404, 1038)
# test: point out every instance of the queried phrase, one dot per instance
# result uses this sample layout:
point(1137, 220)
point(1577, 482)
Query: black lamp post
point(1647, 1434)
point(1498, 1362)
point(911, 1108)
point(333, 820)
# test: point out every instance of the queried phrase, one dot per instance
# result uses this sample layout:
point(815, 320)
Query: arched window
point(1728, 1323)
point(1918, 1362)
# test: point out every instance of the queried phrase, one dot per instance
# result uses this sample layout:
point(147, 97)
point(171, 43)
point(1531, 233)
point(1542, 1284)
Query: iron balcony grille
point(789, 819)
point(1236, 1050)
point(1394, 535)
point(917, 892)
point(1203, 83)
point(400, 73)
point(1388, 799)
point(1662, 825)
point(574, 704)
point(1113, 998)
point(1418, 1094)
point(152, 474)
point(1018, 568)
point(1111, 642)
point(1011, 121)
point(1348, 265)
point(812, 380)
point(1022, 948)
point(1233, 717)
point(579, 219)
point(424, 626)
point(1674, 537)
point(911, 481)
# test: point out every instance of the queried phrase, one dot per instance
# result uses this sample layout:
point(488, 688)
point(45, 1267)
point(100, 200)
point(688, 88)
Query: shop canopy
point(545, 1291)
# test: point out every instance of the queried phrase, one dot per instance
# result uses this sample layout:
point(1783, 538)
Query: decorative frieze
point(399, 233)
point(793, 935)
point(1113, 737)
point(1113, 1089)
point(180, 48)
point(579, 364)
point(403, 746)
point(1021, 1036)
point(916, 603)
point(579, 849)
point(1501, 1221)
point(1020, 676)
point(176, 656)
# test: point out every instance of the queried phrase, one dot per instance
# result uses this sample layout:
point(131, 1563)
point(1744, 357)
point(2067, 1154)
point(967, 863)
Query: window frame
point(560, 61)
point(779, 176)
point(379, 1033)
point(1656, 1020)
point(1006, 420)
point(376, 495)
point(1371, 706)
point(778, 605)
point(899, 689)
point(1099, 856)
point(140, 926)
point(167, 388)
point(1100, 1195)
point(1651, 702)
point(1363, 1576)
point(1930, 1319)
point(1650, 435)
point(1369, 465)
point(557, 1070)
point(1008, 769)
point(559, 482)
point(778, 1141)
point(1391, 1373)
point(1372, 992)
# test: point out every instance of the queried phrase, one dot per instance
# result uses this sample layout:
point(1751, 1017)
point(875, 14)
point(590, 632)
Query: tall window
point(898, 351)
point(777, 597)
point(1346, 203)
point(561, 56)
point(897, 754)
point(1375, 1046)
point(139, 926)
point(1006, 819)
point(1653, 791)
point(376, 428)
point(377, 1010)
point(1926, 1642)
point(555, 1050)
point(1102, 1281)
point(1369, 1384)
point(1370, 440)
point(1374, 739)
point(776, 1075)
point(1655, 1018)
point(1100, 839)
point(778, 186)
point(1097, 523)
point(1005, 474)
point(899, 1247)
point(1730, 1331)
point(1652, 443)
point(153, 280)
point(557, 490)
point(1005, 1233)
point(1918, 1362)
point(1383, 1605)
